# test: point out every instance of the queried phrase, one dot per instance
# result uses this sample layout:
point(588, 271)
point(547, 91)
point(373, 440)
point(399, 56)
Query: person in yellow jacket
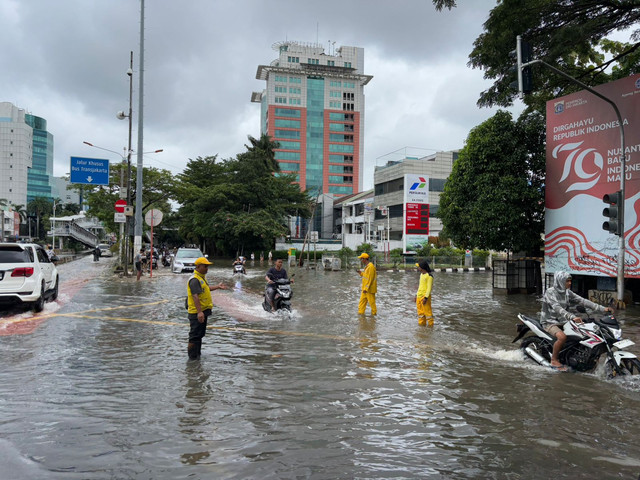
point(199, 305)
point(369, 285)
point(423, 296)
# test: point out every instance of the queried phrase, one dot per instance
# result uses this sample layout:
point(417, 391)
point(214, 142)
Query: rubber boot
point(193, 351)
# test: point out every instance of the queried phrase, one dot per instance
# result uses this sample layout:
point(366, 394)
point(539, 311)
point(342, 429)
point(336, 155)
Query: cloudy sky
point(66, 61)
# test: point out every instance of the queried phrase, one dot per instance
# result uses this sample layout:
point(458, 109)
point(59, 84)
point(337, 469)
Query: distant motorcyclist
point(556, 302)
point(274, 274)
point(237, 261)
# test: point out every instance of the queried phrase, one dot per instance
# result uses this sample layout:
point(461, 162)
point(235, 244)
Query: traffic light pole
point(621, 242)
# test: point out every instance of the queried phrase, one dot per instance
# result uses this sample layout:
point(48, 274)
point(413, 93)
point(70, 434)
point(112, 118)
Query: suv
point(27, 276)
point(185, 260)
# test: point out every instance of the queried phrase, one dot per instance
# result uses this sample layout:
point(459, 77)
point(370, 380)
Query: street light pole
point(138, 216)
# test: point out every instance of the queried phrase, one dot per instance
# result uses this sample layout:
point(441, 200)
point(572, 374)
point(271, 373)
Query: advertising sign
point(583, 164)
point(416, 212)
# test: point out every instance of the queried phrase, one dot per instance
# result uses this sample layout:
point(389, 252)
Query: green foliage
point(238, 204)
point(494, 198)
point(569, 35)
point(365, 248)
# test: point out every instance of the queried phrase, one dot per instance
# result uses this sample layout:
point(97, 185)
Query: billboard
point(583, 154)
point(416, 212)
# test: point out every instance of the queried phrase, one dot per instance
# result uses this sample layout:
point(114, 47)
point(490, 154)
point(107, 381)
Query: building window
point(294, 101)
point(335, 104)
point(348, 96)
point(295, 80)
point(294, 90)
point(281, 99)
point(286, 112)
point(347, 64)
point(280, 78)
point(347, 106)
point(331, 63)
point(335, 83)
point(287, 134)
point(281, 123)
point(313, 61)
point(280, 89)
point(349, 85)
point(293, 59)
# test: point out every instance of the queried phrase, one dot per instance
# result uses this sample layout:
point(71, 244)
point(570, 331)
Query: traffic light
point(524, 55)
point(612, 212)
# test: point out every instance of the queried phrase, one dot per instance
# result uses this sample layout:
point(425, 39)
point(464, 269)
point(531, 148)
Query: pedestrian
point(138, 263)
point(253, 257)
point(199, 305)
point(270, 257)
point(261, 257)
point(423, 295)
point(96, 254)
point(369, 285)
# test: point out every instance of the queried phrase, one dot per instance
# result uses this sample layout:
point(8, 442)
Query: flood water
point(101, 388)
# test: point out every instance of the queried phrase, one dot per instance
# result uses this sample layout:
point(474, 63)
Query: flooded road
point(99, 387)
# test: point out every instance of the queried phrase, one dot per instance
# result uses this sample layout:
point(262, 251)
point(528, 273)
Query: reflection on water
point(104, 392)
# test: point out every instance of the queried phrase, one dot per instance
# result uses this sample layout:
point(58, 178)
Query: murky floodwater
point(102, 389)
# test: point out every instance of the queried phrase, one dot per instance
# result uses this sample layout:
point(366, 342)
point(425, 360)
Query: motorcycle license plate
point(623, 343)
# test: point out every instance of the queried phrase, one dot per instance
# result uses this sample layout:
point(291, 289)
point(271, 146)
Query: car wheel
point(38, 305)
point(54, 296)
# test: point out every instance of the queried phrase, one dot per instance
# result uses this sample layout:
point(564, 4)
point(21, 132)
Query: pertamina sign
point(416, 211)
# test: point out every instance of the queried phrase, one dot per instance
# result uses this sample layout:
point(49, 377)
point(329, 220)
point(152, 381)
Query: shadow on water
point(103, 389)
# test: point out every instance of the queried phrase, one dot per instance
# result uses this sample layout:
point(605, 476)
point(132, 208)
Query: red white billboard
point(416, 212)
point(583, 164)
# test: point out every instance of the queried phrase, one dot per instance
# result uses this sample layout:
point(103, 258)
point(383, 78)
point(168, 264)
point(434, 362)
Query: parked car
point(27, 276)
point(185, 260)
point(105, 250)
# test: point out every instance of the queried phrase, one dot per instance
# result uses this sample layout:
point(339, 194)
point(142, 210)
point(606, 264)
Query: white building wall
point(16, 141)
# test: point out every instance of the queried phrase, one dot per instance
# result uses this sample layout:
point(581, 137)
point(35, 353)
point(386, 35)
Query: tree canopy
point(238, 204)
point(494, 197)
point(570, 35)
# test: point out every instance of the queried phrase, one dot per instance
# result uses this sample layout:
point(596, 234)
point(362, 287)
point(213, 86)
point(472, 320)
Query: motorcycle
point(586, 343)
point(282, 297)
point(166, 260)
point(239, 268)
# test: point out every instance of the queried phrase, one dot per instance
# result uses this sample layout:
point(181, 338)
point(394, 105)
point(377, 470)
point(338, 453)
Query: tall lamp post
point(138, 213)
point(121, 115)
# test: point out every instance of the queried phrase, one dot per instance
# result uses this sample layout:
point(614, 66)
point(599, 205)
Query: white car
point(105, 250)
point(27, 276)
point(185, 260)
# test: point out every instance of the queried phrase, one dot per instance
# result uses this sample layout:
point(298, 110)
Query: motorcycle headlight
point(617, 333)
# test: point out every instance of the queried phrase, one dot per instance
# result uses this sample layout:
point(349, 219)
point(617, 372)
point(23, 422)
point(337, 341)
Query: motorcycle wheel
point(631, 365)
point(537, 345)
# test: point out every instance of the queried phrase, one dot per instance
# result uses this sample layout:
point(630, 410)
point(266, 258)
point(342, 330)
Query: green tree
point(39, 207)
point(239, 203)
point(494, 197)
point(158, 188)
point(570, 35)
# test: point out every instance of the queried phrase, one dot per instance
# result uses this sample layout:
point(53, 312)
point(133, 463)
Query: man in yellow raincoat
point(423, 296)
point(369, 285)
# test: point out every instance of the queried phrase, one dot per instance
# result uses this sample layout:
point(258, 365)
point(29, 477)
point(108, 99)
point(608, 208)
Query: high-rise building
point(313, 105)
point(16, 153)
point(41, 172)
point(26, 156)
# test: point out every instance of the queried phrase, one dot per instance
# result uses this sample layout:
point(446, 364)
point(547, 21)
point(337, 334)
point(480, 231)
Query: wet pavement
point(99, 386)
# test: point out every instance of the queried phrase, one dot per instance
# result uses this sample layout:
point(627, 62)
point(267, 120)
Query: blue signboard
point(92, 171)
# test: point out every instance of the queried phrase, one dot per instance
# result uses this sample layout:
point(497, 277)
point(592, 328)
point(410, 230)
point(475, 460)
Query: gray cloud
point(68, 59)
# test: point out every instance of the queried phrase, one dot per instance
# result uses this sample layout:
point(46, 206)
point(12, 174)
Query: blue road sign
point(92, 171)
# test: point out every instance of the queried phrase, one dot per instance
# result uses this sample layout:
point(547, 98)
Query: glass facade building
point(313, 105)
point(41, 171)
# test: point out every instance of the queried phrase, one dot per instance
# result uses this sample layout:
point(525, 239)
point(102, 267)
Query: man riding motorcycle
point(556, 302)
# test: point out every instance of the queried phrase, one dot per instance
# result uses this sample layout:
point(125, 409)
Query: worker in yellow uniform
point(199, 305)
point(423, 296)
point(369, 285)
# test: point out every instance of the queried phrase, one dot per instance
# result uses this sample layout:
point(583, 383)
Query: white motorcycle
point(586, 343)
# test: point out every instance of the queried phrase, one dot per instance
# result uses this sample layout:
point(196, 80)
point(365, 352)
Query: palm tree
point(3, 203)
